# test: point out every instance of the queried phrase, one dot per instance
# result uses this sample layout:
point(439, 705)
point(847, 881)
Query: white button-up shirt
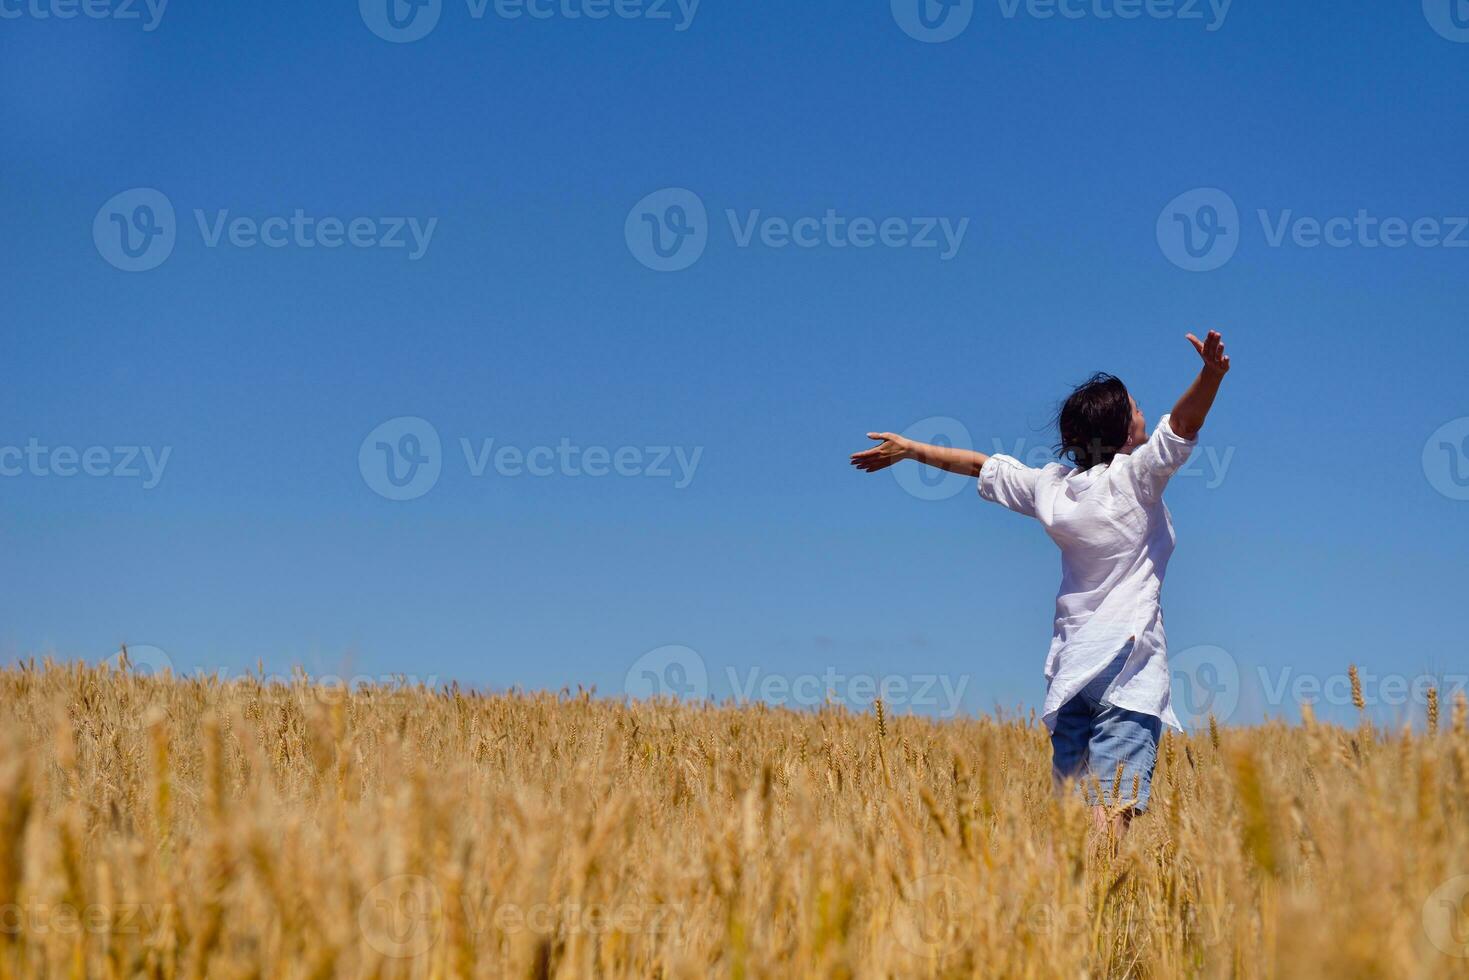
point(1115, 537)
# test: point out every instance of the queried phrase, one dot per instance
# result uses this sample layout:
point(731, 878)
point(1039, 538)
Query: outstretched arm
point(1189, 414)
point(895, 449)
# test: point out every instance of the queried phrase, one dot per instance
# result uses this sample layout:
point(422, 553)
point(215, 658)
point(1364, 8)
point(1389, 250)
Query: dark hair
point(1094, 421)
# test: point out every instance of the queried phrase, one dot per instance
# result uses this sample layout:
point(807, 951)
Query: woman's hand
point(1187, 417)
point(894, 449)
point(1211, 349)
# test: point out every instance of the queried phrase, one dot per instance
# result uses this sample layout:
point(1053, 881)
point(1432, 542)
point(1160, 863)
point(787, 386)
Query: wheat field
point(163, 827)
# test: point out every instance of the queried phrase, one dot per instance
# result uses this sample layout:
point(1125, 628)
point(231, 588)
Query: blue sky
point(528, 152)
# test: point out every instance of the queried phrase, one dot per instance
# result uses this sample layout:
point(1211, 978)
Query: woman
point(1107, 672)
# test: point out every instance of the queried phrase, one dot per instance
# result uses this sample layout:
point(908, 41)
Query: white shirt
point(1115, 537)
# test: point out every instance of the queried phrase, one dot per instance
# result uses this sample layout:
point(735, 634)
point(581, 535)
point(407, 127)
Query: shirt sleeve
point(1155, 461)
point(1006, 481)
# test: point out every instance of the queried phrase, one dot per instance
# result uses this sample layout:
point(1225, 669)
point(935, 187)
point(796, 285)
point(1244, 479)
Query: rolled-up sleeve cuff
point(988, 474)
point(1006, 481)
point(1170, 442)
point(1165, 426)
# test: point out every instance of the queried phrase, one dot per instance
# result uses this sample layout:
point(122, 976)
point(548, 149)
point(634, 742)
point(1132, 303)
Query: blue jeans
point(1092, 737)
